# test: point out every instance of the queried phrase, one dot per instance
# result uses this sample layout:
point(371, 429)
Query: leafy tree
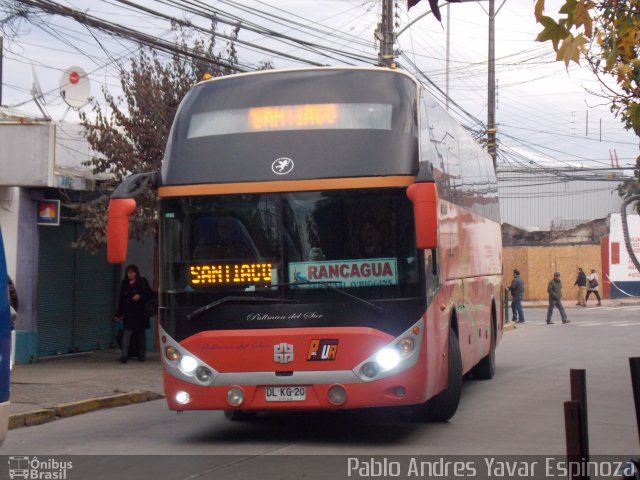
point(130, 134)
point(607, 36)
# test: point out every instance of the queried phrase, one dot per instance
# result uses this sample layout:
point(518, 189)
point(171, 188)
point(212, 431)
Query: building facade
point(557, 198)
point(67, 295)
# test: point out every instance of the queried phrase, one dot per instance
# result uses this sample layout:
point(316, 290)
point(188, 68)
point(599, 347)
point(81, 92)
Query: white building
point(557, 198)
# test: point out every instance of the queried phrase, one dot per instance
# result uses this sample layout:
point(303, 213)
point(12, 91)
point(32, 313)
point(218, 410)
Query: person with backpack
point(592, 286)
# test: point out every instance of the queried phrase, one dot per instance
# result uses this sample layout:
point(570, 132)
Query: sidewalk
point(69, 385)
point(571, 303)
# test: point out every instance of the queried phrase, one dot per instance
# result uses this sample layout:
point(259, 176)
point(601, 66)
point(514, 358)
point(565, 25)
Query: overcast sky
point(543, 111)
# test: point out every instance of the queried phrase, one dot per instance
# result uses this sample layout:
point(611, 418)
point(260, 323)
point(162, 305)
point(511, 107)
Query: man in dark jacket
point(517, 292)
point(555, 299)
point(581, 282)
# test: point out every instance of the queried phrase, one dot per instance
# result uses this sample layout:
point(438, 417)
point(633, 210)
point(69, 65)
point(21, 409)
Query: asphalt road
point(519, 412)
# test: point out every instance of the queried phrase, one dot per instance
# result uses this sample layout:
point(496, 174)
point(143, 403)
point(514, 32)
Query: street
point(519, 412)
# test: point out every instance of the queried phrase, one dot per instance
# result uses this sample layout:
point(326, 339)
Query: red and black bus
point(329, 239)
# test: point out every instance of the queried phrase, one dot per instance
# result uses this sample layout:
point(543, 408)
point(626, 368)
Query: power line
point(142, 38)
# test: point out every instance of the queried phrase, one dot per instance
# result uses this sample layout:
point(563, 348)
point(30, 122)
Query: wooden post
point(579, 394)
point(573, 420)
point(634, 365)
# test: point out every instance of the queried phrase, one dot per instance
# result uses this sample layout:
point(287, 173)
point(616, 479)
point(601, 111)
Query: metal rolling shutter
point(54, 303)
point(75, 297)
point(94, 293)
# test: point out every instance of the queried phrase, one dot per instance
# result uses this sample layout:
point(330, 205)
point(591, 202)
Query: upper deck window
point(331, 123)
point(313, 116)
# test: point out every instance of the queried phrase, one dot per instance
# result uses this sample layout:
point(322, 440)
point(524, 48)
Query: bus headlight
point(180, 363)
point(203, 374)
point(388, 358)
point(370, 369)
point(396, 356)
point(337, 395)
point(235, 396)
point(406, 345)
point(188, 364)
point(172, 354)
point(182, 398)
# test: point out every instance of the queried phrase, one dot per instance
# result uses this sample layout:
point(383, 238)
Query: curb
point(64, 410)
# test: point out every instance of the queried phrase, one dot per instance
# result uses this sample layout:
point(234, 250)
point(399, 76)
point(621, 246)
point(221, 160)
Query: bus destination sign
point(209, 274)
point(345, 273)
point(286, 117)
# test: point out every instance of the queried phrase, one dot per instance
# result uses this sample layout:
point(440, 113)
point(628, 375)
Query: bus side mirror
point(425, 201)
point(120, 209)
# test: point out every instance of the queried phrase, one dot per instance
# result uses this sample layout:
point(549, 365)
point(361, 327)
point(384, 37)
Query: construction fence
point(537, 265)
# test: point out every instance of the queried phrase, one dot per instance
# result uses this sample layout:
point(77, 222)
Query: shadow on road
point(355, 427)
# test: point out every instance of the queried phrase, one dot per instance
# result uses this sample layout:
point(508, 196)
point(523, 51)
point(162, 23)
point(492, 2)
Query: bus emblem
point(282, 166)
point(322, 350)
point(283, 353)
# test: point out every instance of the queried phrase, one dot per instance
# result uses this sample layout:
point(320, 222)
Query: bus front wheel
point(445, 404)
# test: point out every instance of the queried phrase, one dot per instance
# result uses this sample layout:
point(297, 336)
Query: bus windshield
point(291, 245)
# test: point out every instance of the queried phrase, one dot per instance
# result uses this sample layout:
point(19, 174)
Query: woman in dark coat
point(134, 293)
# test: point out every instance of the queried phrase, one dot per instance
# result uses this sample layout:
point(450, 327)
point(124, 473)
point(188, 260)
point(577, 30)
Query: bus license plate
point(285, 394)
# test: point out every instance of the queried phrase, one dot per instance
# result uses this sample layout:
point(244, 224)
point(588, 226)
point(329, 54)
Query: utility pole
point(491, 83)
point(446, 96)
point(386, 37)
point(385, 34)
point(1, 62)
point(491, 86)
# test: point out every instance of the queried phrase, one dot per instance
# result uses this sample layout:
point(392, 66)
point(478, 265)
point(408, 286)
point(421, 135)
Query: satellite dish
point(75, 87)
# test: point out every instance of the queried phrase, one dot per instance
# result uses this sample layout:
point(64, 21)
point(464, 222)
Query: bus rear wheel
point(444, 405)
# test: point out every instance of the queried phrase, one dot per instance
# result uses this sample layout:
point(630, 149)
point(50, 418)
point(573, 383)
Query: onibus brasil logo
point(32, 468)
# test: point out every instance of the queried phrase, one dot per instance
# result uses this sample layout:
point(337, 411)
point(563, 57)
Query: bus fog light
point(370, 369)
point(182, 398)
point(235, 396)
point(337, 395)
point(400, 391)
point(388, 358)
point(406, 345)
point(203, 374)
point(188, 364)
point(172, 354)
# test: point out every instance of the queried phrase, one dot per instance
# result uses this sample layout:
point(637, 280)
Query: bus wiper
point(328, 283)
point(217, 303)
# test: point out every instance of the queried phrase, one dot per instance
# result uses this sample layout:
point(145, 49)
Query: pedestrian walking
point(517, 292)
point(555, 299)
point(581, 282)
point(592, 287)
point(134, 293)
